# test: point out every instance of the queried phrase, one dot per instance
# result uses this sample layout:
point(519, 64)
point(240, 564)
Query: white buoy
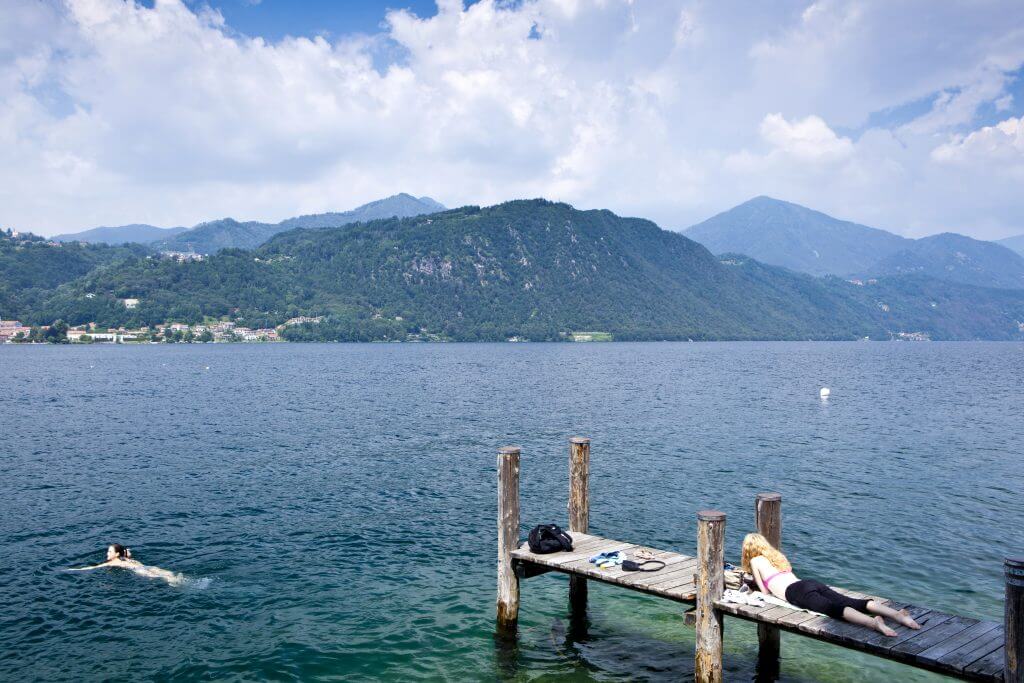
point(824, 393)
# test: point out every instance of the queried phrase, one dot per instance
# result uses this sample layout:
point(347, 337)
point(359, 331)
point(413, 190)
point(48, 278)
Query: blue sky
point(907, 116)
point(274, 19)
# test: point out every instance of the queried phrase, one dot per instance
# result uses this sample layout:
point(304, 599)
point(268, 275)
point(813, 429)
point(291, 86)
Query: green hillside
point(529, 269)
point(31, 268)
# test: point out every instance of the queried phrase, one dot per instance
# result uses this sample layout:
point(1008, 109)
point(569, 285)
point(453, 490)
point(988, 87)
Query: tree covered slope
point(227, 233)
point(956, 258)
point(531, 269)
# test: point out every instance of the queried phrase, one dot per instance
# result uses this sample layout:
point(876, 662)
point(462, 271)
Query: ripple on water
point(333, 505)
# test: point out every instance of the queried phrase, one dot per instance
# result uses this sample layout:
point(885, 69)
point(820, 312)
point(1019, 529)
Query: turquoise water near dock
point(334, 505)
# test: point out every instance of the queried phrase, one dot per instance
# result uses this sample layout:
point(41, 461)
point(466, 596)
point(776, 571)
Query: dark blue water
point(334, 505)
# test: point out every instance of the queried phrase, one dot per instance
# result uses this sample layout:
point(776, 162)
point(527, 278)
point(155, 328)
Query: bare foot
point(882, 628)
point(908, 621)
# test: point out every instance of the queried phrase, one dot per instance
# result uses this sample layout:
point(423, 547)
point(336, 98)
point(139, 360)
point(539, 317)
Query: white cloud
point(111, 112)
point(809, 139)
point(1003, 142)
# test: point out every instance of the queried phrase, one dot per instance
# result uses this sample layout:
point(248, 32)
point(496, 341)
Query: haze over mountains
point(1016, 243)
point(525, 269)
point(212, 236)
point(795, 237)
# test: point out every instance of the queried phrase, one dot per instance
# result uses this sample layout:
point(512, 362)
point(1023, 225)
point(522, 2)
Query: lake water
point(334, 505)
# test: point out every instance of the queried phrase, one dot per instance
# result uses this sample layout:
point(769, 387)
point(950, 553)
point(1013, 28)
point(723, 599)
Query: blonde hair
point(755, 545)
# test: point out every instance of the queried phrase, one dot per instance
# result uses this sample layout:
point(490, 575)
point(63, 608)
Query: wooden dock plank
point(922, 615)
point(677, 573)
point(947, 643)
point(927, 639)
point(971, 652)
point(990, 666)
point(970, 635)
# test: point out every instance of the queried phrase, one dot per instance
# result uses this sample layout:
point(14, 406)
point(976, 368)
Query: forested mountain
point(1015, 243)
point(225, 233)
point(122, 234)
point(531, 269)
point(795, 237)
point(211, 237)
point(31, 268)
point(957, 258)
point(397, 206)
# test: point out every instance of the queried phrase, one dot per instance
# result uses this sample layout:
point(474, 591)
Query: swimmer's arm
point(85, 569)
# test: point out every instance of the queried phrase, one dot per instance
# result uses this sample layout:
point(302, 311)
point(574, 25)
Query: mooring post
point(710, 585)
point(768, 520)
point(1013, 620)
point(579, 513)
point(508, 537)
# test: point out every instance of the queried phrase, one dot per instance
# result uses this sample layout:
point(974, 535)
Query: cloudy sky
point(904, 115)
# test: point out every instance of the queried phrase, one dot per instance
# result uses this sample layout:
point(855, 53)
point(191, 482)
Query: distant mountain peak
point(793, 236)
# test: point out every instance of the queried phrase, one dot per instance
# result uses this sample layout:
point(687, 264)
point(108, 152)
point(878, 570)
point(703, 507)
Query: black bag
point(549, 538)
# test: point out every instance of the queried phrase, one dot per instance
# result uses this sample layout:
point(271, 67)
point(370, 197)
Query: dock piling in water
point(1013, 620)
point(710, 586)
point(950, 644)
point(768, 520)
point(579, 513)
point(508, 537)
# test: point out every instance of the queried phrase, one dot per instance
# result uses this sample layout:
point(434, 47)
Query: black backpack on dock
point(549, 538)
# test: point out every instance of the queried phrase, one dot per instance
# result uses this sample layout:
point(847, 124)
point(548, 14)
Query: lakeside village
point(13, 332)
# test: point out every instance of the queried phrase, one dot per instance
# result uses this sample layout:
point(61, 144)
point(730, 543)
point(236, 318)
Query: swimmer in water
point(120, 556)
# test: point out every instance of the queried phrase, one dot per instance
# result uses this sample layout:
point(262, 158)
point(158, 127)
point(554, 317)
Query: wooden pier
point(957, 646)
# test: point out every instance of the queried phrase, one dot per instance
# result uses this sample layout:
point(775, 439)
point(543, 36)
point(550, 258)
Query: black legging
point(817, 597)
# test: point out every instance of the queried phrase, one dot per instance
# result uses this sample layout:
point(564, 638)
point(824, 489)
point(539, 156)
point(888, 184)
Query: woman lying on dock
point(119, 556)
point(774, 575)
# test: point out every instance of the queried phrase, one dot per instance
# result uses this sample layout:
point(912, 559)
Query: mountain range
point(528, 269)
point(212, 236)
point(795, 237)
point(139, 233)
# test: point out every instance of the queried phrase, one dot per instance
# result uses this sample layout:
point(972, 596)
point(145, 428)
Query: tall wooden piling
point(768, 520)
point(579, 513)
point(710, 585)
point(1013, 620)
point(508, 537)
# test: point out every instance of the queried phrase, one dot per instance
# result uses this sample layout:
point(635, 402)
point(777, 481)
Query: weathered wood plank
point(681, 567)
point(939, 650)
point(751, 612)
point(581, 552)
point(796, 618)
point(927, 639)
point(927, 618)
point(685, 574)
point(971, 652)
point(772, 616)
point(989, 666)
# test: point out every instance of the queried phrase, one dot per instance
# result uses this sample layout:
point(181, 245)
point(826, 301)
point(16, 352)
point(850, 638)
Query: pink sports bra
point(769, 579)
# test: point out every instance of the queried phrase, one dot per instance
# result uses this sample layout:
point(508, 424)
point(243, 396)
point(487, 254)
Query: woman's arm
point(85, 569)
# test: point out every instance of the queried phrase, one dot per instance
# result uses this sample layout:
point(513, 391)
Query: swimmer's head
point(118, 551)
